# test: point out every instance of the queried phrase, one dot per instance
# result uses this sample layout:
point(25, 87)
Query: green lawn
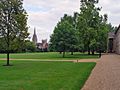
point(49, 56)
point(37, 75)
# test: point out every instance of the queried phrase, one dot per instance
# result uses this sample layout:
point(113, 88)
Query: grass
point(49, 56)
point(37, 75)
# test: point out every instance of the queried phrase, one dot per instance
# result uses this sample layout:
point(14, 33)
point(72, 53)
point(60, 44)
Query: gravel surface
point(105, 75)
point(87, 60)
point(76, 61)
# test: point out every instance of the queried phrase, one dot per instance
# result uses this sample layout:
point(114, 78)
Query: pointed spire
point(34, 31)
point(34, 36)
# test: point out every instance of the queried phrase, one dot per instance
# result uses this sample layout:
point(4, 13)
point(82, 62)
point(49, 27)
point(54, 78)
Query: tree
point(29, 46)
point(111, 28)
point(86, 21)
point(90, 23)
point(13, 24)
point(63, 37)
point(85, 31)
point(74, 34)
point(103, 34)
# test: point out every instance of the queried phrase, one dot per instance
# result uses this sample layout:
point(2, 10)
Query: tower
point(34, 39)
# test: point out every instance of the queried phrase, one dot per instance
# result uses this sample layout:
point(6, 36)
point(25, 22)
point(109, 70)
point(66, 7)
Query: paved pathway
point(106, 74)
point(76, 61)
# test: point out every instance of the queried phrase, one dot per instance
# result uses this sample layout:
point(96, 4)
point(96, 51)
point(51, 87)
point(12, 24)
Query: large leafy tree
point(73, 35)
point(90, 24)
point(63, 38)
point(86, 31)
point(103, 33)
point(13, 24)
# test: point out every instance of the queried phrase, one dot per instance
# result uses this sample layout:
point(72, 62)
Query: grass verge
point(37, 75)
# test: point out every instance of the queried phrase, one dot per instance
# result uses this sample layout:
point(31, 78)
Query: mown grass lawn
point(50, 56)
point(31, 75)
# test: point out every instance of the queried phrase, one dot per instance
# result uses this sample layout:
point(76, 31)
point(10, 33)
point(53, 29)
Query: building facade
point(110, 42)
point(114, 41)
point(116, 46)
point(43, 46)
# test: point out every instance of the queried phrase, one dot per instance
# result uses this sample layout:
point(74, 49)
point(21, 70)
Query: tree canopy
point(13, 24)
point(84, 31)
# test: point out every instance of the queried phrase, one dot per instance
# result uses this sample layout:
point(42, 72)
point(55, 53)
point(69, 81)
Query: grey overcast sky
point(44, 14)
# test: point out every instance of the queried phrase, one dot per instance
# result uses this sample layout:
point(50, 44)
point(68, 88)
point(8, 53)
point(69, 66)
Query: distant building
point(41, 46)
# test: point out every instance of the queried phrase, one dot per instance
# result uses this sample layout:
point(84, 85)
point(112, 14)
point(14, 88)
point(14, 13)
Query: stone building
point(110, 42)
point(116, 46)
point(114, 41)
point(41, 46)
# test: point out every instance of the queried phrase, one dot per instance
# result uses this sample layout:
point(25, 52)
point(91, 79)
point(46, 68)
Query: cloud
point(112, 8)
point(44, 14)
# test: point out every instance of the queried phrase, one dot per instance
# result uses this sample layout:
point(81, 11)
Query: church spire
point(34, 31)
point(34, 39)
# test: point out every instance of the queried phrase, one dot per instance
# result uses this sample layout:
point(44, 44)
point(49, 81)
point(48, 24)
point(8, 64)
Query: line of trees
point(26, 46)
point(84, 31)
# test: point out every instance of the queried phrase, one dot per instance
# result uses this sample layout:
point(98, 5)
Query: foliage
point(29, 46)
point(2, 46)
point(111, 28)
point(13, 24)
point(88, 24)
point(89, 30)
point(64, 36)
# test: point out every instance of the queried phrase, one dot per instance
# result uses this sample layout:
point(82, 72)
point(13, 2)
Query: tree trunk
point(99, 53)
point(89, 48)
point(72, 53)
point(8, 59)
point(93, 52)
point(88, 51)
point(63, 54)
point(8, 46)
point(8, 21)
point(60, 52)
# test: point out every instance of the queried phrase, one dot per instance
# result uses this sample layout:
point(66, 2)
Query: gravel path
point(87, 60)
point(76, 61)
point(106, 74)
